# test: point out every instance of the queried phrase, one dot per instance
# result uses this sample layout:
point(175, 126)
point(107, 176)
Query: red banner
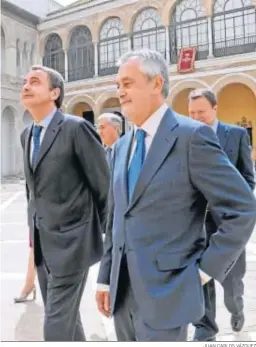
point(187, 60)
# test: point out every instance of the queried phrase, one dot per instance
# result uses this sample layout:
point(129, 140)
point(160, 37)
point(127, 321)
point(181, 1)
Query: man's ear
point(55, 93)
point(159, 82)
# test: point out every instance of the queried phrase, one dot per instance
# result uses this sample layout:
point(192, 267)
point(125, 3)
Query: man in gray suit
point(110, 130)
point(67, 179)
point(164, 172)
point(234, 141)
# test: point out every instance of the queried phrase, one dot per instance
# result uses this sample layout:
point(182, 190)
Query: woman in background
point(29, 286)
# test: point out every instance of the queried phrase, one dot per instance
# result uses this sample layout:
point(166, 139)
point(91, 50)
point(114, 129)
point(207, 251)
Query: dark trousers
point(233, 288)
point(128, 322)
point(62, 296)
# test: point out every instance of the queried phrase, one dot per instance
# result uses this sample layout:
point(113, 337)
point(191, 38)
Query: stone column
point(96, 59)
point(129, 42)
point(210, 43)
point(167, 44)
point(66, 64)
point(20, 68)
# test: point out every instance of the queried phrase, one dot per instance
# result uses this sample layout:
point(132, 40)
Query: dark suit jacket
point(234, 141)
point(161, 229)
point(68, 193)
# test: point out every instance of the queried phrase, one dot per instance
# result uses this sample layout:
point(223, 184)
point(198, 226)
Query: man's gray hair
point(203, 93)
point(113, 119)
point(55, 81)
point(152, 65)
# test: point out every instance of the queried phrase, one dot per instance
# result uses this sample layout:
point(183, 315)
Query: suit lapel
point(161, 146)
point(222, 133)
point(49, 136)
point(123, 161)
point(27, 150)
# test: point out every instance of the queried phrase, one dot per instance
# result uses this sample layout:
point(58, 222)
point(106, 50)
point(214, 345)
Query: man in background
point(234, 141)
point(110, 130)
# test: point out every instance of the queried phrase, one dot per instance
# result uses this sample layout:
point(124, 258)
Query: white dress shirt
point(215, 125)
point(150, 127)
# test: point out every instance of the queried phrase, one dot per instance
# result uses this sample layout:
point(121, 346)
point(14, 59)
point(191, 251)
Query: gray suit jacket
point(162, 226)
point(67, 191)
point(234, 141)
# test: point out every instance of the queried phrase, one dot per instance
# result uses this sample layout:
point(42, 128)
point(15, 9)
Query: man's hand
point(103, 302)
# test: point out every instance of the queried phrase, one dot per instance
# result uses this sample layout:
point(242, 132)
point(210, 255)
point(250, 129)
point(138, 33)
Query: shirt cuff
point(204, 277)
point(102, 287)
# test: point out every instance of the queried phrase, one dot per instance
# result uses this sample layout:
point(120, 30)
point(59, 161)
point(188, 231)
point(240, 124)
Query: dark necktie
point(36, 141)
point(137, 161)
point(109, 156)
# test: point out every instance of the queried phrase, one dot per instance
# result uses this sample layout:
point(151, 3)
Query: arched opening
point(2, 51)
point(8, 143)
point(180, 102)
point(82, 109)
point(54, 55)
point(111, 105)
point(113, 43)
point(27, 119)
point(237, 105)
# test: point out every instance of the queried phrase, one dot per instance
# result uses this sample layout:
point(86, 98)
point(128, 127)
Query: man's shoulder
point(72, 119)
point(76, 121)
point(233, 128)
point(186, 124)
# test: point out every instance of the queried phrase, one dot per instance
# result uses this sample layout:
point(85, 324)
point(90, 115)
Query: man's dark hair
point(203, 93)
point(55, 81)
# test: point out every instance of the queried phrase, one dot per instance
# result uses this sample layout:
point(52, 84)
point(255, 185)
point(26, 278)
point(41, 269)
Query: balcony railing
point(109, 51)
point(234, 46)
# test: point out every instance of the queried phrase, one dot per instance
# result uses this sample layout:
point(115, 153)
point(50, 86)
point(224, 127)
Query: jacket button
point(120, 249)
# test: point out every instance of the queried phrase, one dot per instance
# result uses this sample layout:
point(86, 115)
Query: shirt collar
point(215, 124)
point(46, 121)
point(152, 123)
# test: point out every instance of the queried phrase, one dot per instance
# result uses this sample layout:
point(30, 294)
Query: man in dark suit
point(67, 179)
point(164, 172)
point(234, 141)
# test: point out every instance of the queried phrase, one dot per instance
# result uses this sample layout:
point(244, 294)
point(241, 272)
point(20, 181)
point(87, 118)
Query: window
point(54, 56)
point(234, 27)
point(148, 31)
point(189, 28)
point(80, 54)
point(113, 43)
